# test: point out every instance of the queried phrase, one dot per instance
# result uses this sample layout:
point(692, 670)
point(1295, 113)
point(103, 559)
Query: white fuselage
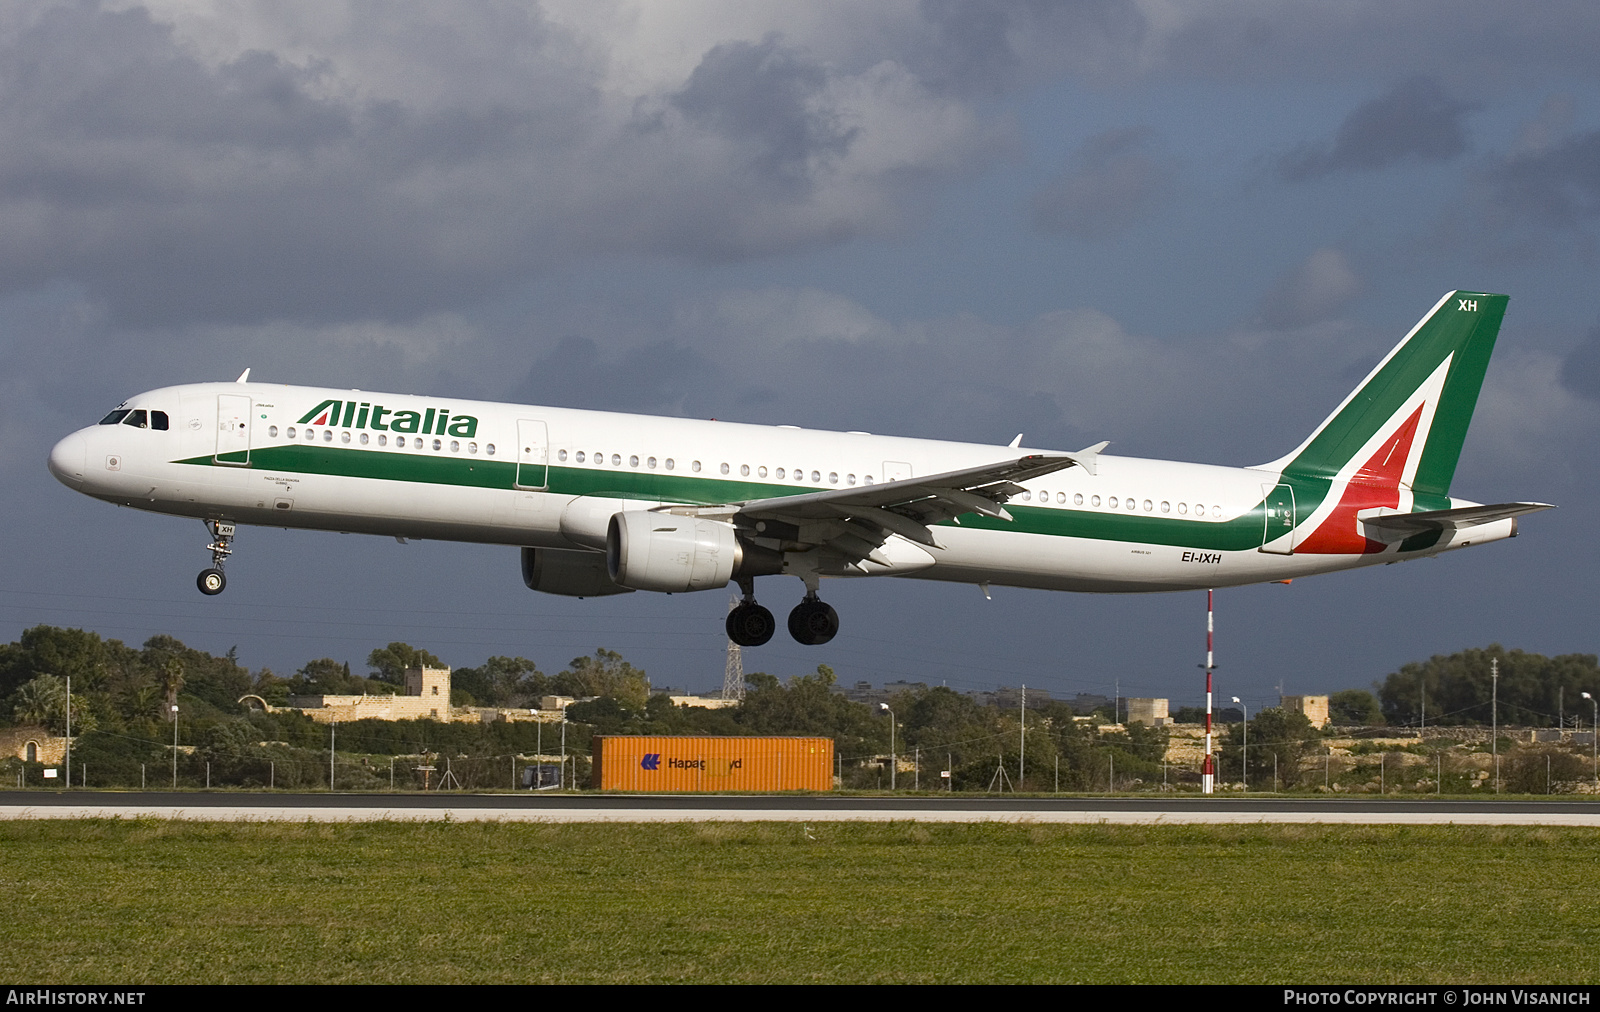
point(438, 468)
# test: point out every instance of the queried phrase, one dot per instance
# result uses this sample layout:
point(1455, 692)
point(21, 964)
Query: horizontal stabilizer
point(1407, 524)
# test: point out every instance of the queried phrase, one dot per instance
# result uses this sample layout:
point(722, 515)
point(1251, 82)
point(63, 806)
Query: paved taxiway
point(767, 808)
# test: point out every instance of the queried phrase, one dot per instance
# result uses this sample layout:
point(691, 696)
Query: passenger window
point(744, 469)
point(761, 472)
point(850, 478)
point(158, 420)
point(633, 461)
point(816, 477)
point(833, 477)
point(472, 447)
point(1077, 499)
point(724, 468)
point(1166, 507)
point(437, 444)
point(327, 435)
point(650, 462)
point(344, 437)
point(272, 432)
point(616, 460)
point(561, 455)
point(670, 464)
point(290, 432)
point(383, 440)
point(867, 480)
point(1199, 510)
point(695, 466)
point(779, 472)
point(1113, 502)
point(137, 419)
point(489, 449)
point(1095, 501)
point(455, 446)
point(579, 456)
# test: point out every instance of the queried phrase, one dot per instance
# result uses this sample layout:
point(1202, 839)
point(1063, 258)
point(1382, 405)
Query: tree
point(1355, 707)
point(393, 661)
point(1459, 688)
point(605, 674)
point(42, 700)
point(1279, 739)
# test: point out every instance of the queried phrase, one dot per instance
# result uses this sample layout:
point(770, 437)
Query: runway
point(551, 808)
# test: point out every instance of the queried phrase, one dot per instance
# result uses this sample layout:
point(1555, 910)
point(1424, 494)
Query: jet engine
point(659, 551)
point(570, 574)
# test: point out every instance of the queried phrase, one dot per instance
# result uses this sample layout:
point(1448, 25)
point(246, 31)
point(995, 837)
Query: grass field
point(143, 901)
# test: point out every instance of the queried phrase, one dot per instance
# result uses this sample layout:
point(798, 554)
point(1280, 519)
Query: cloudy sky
point(1186, 227)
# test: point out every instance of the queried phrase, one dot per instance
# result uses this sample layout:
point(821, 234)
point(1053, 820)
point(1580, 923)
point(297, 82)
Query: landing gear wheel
point(813, 622)
point(211, 582)
point(750, 625)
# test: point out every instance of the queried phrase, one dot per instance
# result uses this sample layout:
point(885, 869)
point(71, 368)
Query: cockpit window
point(138, 419)
point(158, 420)
point(115, 417)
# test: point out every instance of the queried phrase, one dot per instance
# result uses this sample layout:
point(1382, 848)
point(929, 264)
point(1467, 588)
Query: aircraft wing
point(1407, 524)
point(858, 520)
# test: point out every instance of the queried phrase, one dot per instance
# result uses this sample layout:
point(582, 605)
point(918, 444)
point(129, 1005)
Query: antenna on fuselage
point(244, 377)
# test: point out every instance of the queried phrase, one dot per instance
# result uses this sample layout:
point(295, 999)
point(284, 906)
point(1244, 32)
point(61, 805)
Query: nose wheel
point(213, 581)
point(813, 622)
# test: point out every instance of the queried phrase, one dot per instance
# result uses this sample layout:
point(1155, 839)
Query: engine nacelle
point(570, 574)
point(659, 551)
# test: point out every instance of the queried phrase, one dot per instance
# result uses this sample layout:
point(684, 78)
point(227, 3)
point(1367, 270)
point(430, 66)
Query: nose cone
point(67, 460)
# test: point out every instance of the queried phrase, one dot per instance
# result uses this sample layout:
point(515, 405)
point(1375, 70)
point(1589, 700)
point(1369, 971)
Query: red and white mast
point(1208, 769)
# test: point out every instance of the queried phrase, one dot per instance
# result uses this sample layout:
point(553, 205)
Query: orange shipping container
point(626, 762)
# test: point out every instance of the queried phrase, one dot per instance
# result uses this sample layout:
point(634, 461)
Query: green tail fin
point(1460, 330)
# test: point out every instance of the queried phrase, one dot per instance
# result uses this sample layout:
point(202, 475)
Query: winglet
point(1088, 457)
point(1016, 443)
point(244, 377)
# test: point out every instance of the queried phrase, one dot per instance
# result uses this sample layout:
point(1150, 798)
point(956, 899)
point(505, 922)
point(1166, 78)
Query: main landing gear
point(749, 624)
point(213, 581)
point(813, 622)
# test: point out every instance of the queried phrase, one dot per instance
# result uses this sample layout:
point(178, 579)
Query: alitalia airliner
point(607, 503)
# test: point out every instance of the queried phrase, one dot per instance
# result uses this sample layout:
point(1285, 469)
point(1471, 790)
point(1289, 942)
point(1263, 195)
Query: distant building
point(1151, 712)
point(1314, 707)
point(32, 744)
point(427, 698)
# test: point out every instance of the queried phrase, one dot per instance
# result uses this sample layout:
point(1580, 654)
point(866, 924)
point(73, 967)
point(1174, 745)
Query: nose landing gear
point(213, 581)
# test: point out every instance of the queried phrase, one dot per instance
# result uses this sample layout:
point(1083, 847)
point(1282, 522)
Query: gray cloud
point(1312, 292)
point(180, 176)
point(1413, 120)
point(769, 96)
point(1558, 184)
point(1580, 371)
point(1115, 179)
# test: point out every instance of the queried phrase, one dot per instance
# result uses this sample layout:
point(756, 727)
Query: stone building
point(427, 697)
point(1152, 712)
point(1314, 707)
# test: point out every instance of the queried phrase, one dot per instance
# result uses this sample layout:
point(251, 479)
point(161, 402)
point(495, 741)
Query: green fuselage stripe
point(1242, 533)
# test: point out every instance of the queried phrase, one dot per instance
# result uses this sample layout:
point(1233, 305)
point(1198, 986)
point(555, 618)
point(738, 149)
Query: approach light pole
point(174, 746)
point(1594, 739)
point(1494, 719)
point(892, 762)
point(1244, 759)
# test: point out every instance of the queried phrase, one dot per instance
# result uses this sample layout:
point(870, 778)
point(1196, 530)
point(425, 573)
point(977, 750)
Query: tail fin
point(1410, 414)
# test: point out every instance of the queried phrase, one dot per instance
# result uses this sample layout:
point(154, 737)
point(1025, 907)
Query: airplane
point(608, 503)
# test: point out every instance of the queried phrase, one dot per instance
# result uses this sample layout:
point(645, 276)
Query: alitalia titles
point(365, 415)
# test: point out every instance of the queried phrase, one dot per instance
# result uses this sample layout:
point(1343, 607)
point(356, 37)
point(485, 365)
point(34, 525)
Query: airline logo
point(365, 415)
